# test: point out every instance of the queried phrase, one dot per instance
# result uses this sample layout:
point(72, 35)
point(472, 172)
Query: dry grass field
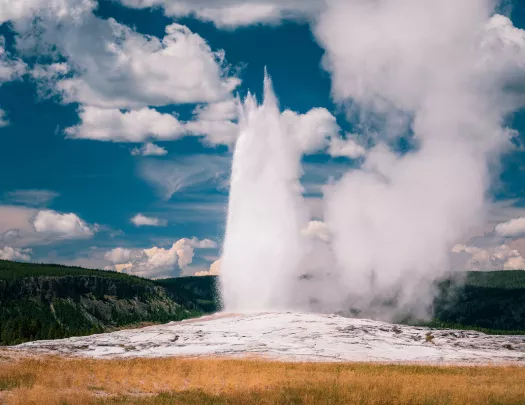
point(51, 380)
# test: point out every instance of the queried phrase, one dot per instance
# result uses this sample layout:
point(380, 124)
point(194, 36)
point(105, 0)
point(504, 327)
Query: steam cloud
point(446, 73)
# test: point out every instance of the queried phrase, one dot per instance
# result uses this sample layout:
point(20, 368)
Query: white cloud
point(15, 225)
point(57, 10)
point(118, 255)
point(9, 253)
point(214, 132)
point(511, 229)
point(501, 257)
point(311, 130)
point(142, 220)
point(234, 13)
point(212, 121)
point(10, 68)
point(131, 126)
point(149, 149)
point(515, 263)
point(30, 197)
point(222, 111)
point(120, 68)
point(215, 270)
point(63, 226)
point(346, 147)
point(157, 262)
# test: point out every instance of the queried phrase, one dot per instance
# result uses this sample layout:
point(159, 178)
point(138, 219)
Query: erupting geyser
point(444, 74)
point(262, 248)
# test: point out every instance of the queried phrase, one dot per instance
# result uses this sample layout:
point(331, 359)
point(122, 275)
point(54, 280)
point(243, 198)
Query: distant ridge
point(41, 301)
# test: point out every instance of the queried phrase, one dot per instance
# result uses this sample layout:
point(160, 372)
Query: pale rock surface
point(293, 337)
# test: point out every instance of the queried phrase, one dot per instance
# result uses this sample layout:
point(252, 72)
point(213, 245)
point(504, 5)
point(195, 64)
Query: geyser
point(446, 74)
point(262, 250)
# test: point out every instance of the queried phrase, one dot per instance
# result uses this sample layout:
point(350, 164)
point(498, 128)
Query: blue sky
point(181, 190)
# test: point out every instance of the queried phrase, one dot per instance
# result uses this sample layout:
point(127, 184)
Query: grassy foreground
point(52, 380)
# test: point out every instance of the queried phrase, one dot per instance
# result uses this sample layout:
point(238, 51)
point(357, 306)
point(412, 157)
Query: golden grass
point(53, 380)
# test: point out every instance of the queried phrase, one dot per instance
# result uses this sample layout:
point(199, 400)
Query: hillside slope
point(49, 302)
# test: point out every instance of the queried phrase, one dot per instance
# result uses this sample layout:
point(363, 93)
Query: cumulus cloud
point(10, 68)
point(212, 121)
point(234, 13)
point(16, 254)
point(511, 229)
point(120, 68)
point(215, 123)
point(346, 147)
point(142, 220)
point(63, 226)
point(157, 262)
point(149, 149)
point(501, 257)
point(58, 10)
point(129, 126)
point(117, 74)
point(215, 270)
point(311, 130)
point(118, 255)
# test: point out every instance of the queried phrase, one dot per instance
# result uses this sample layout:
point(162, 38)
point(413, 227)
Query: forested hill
point(51, 301)
point(492, 300)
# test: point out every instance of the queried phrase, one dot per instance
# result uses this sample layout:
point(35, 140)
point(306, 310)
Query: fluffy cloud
point(221, 111)
point(312, 130)
point(215, 270)
point(345, 147)
point(131, 126)
point(63, 226)
point(500, 257)
point(120, 68)
point(234, 13)
point(149, 149)
point(9, 253)
point(212, 121)
point(118, 255)
point(10, 68)
point(157, 262)
point(142, 220)
point(57, 10)
point(511, 229)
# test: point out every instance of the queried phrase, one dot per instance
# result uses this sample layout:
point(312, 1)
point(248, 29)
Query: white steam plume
point(262, 248)
point(448, 70)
